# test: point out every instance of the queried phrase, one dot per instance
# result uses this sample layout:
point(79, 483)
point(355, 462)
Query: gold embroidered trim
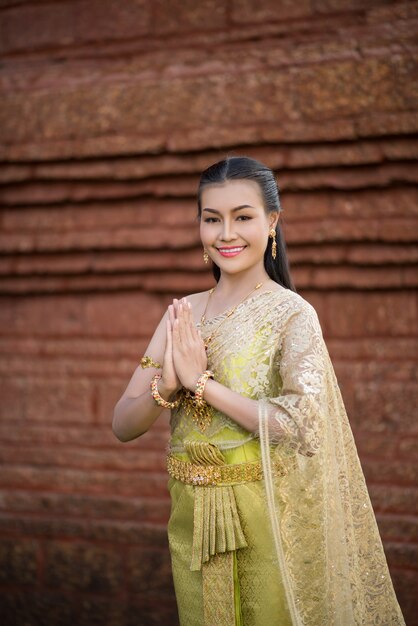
point(194, 474)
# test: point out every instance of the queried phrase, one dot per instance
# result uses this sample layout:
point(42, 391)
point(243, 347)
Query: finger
point(190, 319)
point(171, 314)
point(188, 322)
point(169, 340)
point(180, 323)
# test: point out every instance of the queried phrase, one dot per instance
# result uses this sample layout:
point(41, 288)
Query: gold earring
point(205, 257)
point(272, 234)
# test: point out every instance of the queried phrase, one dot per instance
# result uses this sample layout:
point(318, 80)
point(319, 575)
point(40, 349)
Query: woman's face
point(234, 226)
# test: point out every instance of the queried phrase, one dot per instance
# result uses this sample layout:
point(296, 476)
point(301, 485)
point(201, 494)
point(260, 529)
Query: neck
point(233, 286)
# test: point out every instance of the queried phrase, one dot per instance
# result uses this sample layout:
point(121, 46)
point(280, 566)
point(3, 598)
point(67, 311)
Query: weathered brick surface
point(82, 567)
point(109, 111)
point(18, 562)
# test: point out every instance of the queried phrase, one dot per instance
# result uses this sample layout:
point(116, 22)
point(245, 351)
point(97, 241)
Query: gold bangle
point(156, 395)
point(200, 387)
point(148, 361)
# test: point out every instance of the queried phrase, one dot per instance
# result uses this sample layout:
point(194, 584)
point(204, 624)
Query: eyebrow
point(237, 208)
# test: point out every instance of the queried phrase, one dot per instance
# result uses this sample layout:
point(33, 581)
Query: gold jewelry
point(205, 257)
point(228, 313)
point(198, 474)
point(200, 387)
point(202, 414)
point(148, 361)
point(272, 234)
point(156, 395)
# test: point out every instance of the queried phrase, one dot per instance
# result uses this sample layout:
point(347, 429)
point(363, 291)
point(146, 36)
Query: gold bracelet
point(156, 395)
point(148, 361)
point(200, 387)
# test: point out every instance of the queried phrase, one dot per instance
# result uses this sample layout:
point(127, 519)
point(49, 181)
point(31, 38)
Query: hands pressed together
point(185, 355)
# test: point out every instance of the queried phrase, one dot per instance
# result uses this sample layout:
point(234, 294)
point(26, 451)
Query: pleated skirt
point(241, 587)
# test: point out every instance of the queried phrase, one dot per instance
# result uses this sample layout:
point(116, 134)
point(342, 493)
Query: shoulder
point(296, 308)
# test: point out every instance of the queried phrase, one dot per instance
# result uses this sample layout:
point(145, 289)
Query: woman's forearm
point(242, 410)
point(132, 417)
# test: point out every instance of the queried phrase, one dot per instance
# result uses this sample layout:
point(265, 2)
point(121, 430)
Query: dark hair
point(241, 167)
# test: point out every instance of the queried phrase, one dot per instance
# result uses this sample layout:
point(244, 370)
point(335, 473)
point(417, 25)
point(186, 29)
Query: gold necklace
point(227, 315)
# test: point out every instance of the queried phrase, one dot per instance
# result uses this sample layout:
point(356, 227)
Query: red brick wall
point(109, 111)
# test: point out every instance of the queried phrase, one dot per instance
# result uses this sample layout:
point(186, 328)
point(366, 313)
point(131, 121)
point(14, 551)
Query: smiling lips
point(231, 251)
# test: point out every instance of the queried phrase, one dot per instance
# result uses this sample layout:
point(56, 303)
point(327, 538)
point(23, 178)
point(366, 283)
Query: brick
point(402, 555)
point(390, 471)
point(72, 217)
point(81, 316)
point(123, 459)
point(132, 483)
point(393, 499)
point(186, 15)
point(48, 607)
point(79, 566)
point(106, 318)
point(152, 614)
point(387, 314)
point(328, 6)
point(376, 445)
point(408, 448)
point(37, 193)
point(398, 527)
point(27, 315)
point(36, 400)
point(96, 436)
point(377, 370)
point(98, 20)
point(367, 203)
point(75, 505)
point(405, 584)
point(325, 90)
point(383, 348)
point(249, 11)
point(144, 166)
point(140, 238)
point(386, 409)
point(157, 283)
point(18, 561)
point(106, 264)
point(31, 27)
point(357, 278)
point(73, 347)
point(314, 93)
point(149, 571)
point(116, 532)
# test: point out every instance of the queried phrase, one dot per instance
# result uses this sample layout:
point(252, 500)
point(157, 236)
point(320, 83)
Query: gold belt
point(197, 474)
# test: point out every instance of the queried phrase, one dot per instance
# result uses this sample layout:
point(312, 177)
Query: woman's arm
point(137, 410)
point(242, 410)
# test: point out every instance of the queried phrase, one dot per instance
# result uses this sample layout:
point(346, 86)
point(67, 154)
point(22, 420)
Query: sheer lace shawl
point(325, 533)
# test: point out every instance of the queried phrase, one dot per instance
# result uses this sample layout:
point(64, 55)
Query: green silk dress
point(302, 557)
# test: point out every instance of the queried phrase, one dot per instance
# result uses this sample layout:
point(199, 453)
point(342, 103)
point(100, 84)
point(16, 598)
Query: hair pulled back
point(245, 168)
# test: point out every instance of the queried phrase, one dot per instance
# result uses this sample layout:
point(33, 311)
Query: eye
point(210, 219)
point(244, 217)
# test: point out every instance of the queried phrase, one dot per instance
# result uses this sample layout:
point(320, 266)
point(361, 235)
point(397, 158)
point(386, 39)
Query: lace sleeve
point(295, 416)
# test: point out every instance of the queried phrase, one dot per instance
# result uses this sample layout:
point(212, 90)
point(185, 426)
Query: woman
point(271, 522)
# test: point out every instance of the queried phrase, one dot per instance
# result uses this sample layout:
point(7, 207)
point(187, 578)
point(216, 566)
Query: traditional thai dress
point(274, 527)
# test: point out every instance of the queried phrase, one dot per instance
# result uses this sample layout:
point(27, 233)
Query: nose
point(227, 231)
